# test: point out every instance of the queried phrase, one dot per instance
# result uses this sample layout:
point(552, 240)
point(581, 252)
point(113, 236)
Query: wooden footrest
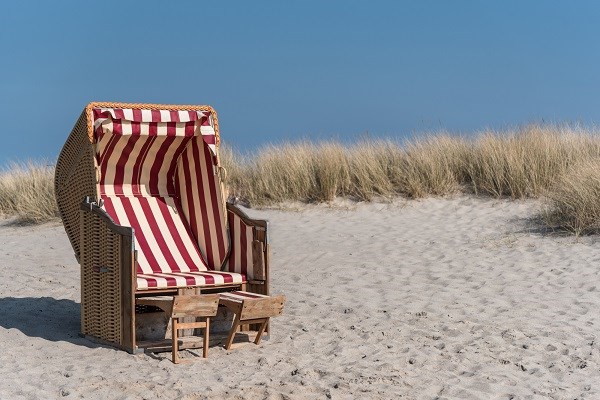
point(182, 307)
point(251, 308)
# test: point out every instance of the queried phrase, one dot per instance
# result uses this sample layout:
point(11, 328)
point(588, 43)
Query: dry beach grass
point(557, 163)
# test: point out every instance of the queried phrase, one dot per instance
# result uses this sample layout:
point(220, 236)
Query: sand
point(441, 298)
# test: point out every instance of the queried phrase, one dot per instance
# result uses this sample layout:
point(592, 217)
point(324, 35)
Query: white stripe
point(111, 163)
point(128, 114)
point(180, 129)
point(184, 116)
point(146, 115)
point(165, 116)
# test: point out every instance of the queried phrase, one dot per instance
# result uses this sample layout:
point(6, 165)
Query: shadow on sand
point(44, 317)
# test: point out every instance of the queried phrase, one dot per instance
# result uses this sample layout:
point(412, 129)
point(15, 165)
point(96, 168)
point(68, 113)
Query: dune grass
point(560, 164)
point(553, 162)
point(27, 192)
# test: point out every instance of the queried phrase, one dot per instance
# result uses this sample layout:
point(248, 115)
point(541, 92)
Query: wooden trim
point(262, 223)
point(91, 206)
point(128, 279)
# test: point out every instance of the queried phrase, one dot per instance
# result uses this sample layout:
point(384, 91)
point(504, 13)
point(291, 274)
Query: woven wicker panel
point(100, 279)
point(75, 178)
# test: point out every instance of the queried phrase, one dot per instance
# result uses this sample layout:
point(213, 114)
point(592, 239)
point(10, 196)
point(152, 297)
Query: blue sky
point(287, 70)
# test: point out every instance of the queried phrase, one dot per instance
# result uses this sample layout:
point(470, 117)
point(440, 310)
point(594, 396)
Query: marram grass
point(560, 164)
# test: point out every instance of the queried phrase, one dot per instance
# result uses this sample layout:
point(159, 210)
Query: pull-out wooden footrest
point(251, 308)
point(201, 307)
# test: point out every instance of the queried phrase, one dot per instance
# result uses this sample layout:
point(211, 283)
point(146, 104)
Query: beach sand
point(435, 299)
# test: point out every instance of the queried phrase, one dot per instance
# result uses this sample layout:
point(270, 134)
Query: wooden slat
point(195, 305)
point(262, 308)
point(191, 325)
point(127, 296)
point(258, 260)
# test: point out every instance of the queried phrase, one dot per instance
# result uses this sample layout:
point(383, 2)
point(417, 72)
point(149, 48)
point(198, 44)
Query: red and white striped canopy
point(152, 122)
point(158, 174)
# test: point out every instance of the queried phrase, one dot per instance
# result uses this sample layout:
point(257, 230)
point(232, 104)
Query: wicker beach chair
point(141, 195)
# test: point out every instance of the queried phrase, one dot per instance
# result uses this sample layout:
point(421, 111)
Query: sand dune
point(440, 298)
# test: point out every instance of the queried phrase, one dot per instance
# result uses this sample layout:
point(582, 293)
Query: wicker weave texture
point(100, 279)
point(75, 178)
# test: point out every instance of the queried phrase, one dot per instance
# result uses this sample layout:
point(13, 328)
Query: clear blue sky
point(280, 70)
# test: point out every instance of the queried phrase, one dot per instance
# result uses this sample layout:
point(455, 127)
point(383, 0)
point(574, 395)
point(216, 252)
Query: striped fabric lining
point(207, 278)
point(161, 236)
point(202, 201)
point(240, 257)
point(157, 172)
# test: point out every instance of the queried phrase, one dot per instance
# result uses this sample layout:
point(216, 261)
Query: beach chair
point(140, 191)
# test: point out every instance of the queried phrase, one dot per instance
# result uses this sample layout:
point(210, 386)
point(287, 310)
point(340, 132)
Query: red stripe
point(227, 277)
point(120, 166)
point(105, 157)
point(137, 166)
point(137, 115)
point(209, 279)
point(110, 209)
point(185, 164)
point(139, 234)
point(171, 128)
point(157, 164)
point(203, 210)
point(155, 115)
point(136, 128)
point(177, 239)
point(156, 232)
point(212, 183)
point(209, 139)
point(243, 248)
point(172, 183)
point(119, 114)
point(151, 282)
point(232, 236)
point(192, 223)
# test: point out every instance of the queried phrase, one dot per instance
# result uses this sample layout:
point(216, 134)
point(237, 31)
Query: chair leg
point(206, 338)
point(261, 330)
point(234, 328)
point(175, 346)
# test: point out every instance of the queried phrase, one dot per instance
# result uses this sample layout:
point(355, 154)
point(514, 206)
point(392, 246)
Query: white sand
point(432, 299)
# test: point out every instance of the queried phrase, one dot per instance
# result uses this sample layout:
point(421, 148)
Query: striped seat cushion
point(182, 279)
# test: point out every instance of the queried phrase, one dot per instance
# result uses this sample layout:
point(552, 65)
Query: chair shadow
point(44, 317)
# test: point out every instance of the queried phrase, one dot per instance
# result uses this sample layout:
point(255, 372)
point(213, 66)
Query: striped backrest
point(202, 201)
point(157, 174)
